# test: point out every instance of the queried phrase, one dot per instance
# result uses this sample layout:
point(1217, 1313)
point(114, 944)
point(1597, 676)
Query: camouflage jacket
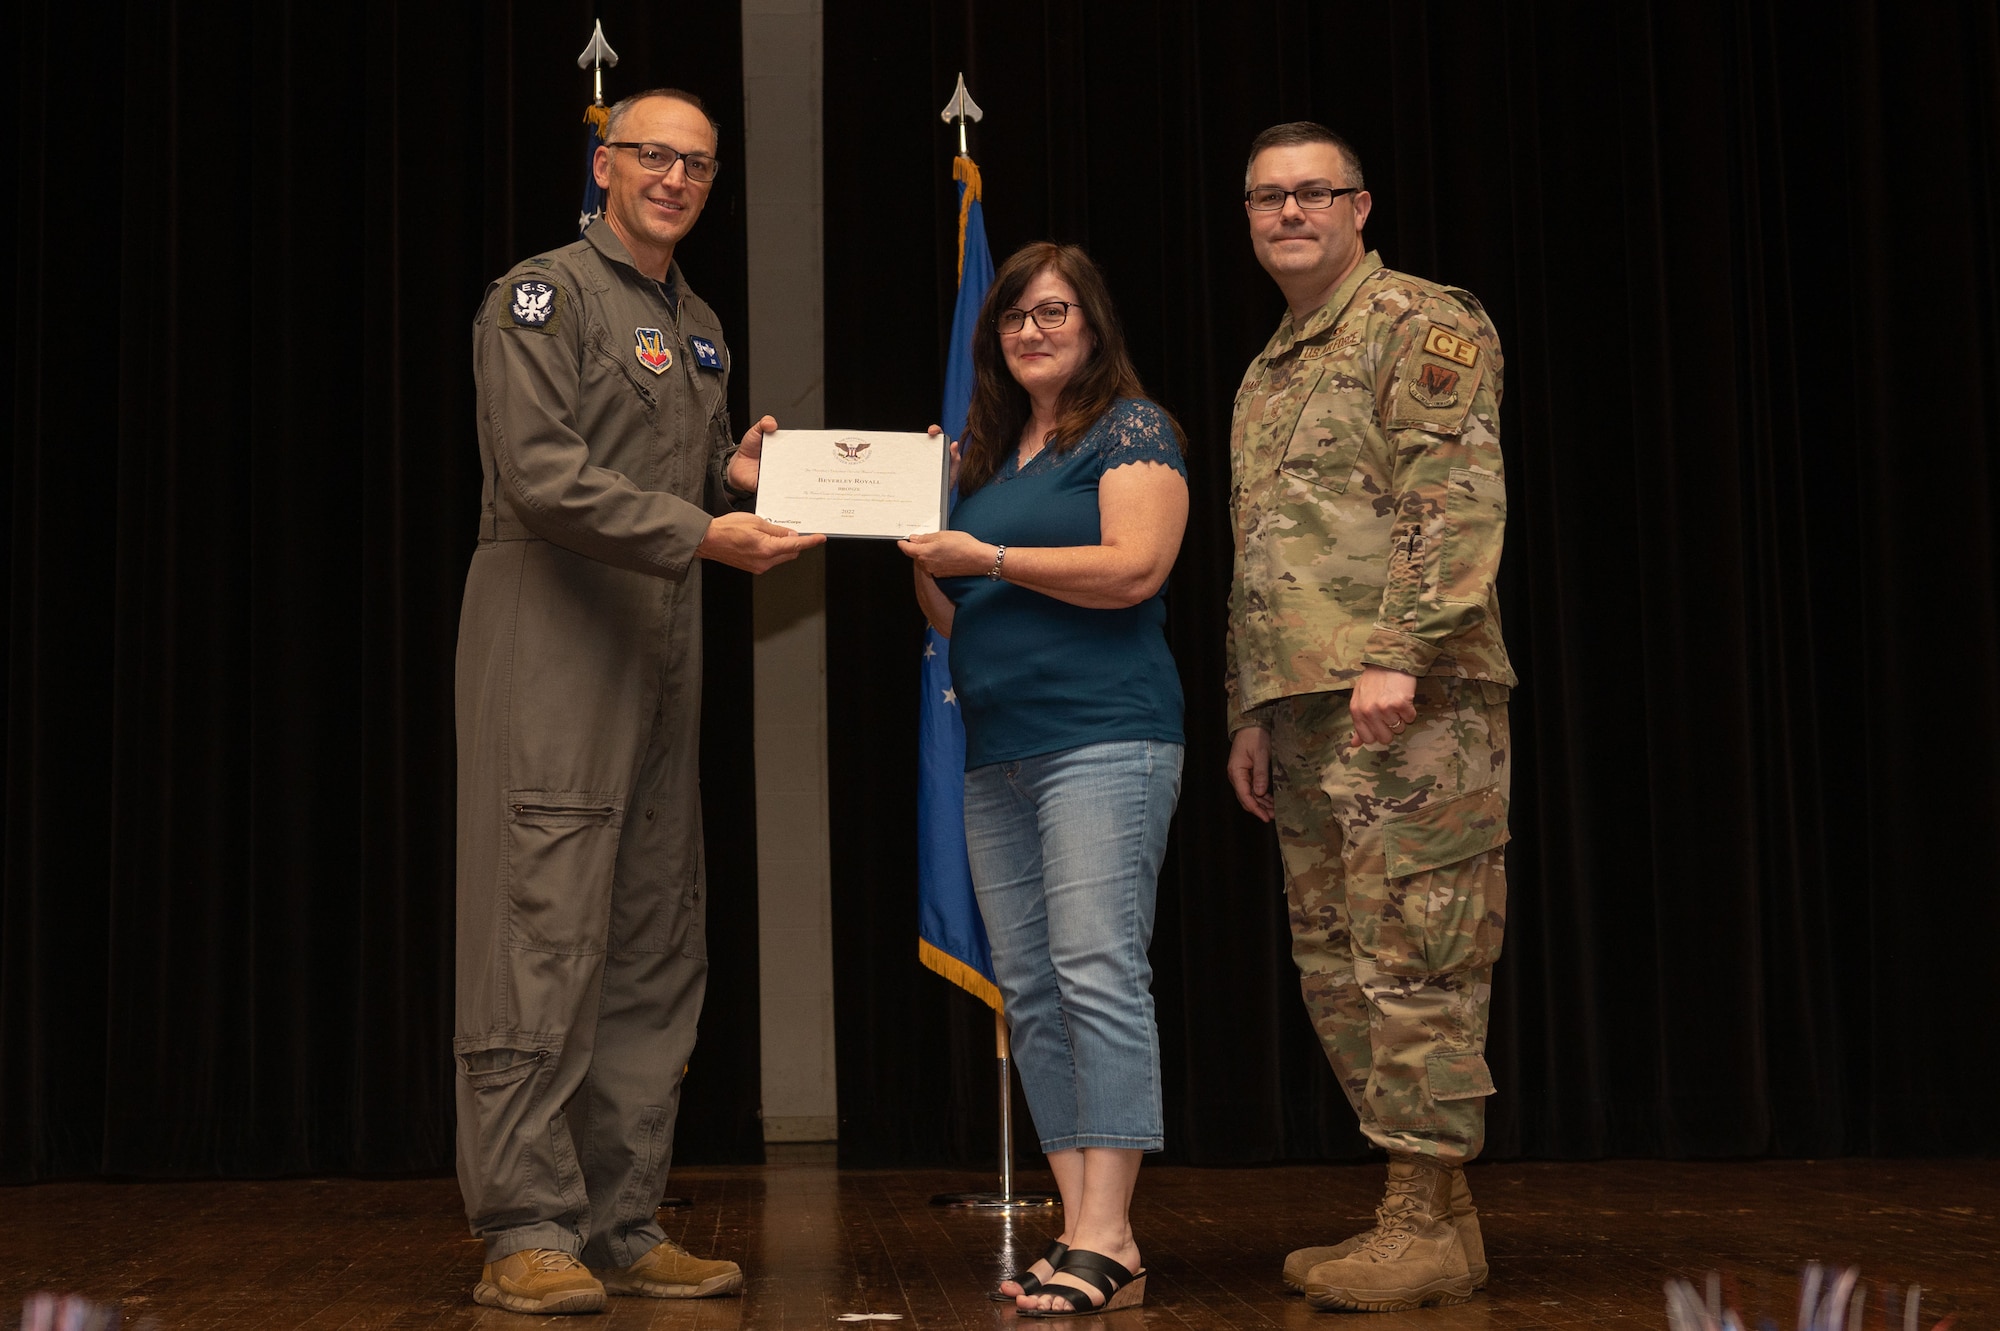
point(1367, 495)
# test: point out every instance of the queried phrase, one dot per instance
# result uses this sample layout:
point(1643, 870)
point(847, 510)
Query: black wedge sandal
point(1118, 1287)
point(1028, 1280)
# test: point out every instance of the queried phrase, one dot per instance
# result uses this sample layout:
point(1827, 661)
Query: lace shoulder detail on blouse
point(1135, 430)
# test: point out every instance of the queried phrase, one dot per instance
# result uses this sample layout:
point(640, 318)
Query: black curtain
point(247, 242)
point(1742, 256)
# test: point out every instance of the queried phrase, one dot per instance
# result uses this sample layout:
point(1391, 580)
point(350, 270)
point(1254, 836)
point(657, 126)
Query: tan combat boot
point(668, 1271)
point(1411, 1259)
point(1464, 1218)
point(539, 1280)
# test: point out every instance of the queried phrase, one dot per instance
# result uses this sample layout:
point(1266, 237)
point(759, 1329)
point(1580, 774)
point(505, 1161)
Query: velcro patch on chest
point(706, 353)
point(652, 350)
point(533, 304)
point(1344, 339)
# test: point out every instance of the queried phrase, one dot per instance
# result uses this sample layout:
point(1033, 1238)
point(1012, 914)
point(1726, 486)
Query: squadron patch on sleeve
point(1435, 386)
point(706, 353)
point(534, 303)
point(1436, 383)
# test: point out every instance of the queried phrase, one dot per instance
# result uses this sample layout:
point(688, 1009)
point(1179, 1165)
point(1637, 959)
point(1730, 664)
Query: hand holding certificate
point(854, 482)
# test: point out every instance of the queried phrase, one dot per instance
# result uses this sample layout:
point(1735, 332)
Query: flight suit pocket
point(561, 853)
point(501, 1078)
point(1446, 885)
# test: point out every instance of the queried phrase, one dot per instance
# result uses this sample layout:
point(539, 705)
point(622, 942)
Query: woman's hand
point(938, 430)
point(949, 554)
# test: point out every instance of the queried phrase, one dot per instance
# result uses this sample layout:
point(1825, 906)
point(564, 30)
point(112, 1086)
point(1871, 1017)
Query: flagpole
point(594, 57)
point(960, 109)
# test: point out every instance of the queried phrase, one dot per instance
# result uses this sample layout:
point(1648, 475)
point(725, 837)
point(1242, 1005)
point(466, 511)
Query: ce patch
point(706, 353)
point(534, 303)
point(1438, 382)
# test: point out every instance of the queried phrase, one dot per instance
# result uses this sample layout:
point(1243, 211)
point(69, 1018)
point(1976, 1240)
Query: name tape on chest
point(706, 353)
point(653, 351)
point(1452, 347)
point(1333, 346)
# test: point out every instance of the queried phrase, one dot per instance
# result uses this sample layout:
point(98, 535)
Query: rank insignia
point(1435, 387)
point(534, 303)
point(653, 351)
point(706, 353)
point(1461, 349)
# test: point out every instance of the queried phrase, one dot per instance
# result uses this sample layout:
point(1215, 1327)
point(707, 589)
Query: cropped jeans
point(1066, 850)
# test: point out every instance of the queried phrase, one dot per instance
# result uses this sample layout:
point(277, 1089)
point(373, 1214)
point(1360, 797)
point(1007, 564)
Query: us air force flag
point(951, 940)
point(593, 193)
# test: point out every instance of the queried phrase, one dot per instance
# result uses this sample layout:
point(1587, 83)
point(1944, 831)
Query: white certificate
point(853, 482)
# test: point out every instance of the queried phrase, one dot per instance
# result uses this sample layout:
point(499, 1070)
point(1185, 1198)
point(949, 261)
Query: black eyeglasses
point(659, 159)
point(1269, 198)
point(1049, 314)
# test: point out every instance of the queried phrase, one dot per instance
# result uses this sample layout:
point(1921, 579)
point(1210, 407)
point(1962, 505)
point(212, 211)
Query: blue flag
point(594, 118)
point(951, 938)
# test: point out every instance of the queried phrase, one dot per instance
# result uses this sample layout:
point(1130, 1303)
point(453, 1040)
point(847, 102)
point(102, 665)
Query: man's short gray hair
point(1296, 132)
point(623, 107)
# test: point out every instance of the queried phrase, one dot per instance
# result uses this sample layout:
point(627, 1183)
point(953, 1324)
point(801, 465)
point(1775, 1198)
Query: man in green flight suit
point(605, 444)
point(1367, 687)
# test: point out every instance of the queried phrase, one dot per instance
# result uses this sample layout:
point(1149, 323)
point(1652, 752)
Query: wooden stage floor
point(1572, 1246)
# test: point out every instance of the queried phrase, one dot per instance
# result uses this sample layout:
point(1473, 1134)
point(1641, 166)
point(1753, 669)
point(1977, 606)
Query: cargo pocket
point(1447, 883)
point(1460, 1076)
point(562, 849)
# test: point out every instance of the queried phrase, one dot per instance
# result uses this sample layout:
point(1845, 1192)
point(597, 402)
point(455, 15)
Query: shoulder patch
point(533, 303)
point(1435, 383)
point(1441, 342)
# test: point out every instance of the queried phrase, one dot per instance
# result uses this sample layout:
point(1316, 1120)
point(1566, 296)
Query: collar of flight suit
point(605, 241)
point(1326, 315)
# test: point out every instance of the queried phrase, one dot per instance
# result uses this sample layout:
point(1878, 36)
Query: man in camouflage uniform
point(1368, 695)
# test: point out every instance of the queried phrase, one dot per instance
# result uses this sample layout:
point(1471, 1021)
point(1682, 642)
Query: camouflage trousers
point(1396, 873)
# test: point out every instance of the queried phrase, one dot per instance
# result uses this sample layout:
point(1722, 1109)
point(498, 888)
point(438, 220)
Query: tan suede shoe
point(1413, 1258)
point(1464, 1219)
point(539, 1280)
point(670, 1272)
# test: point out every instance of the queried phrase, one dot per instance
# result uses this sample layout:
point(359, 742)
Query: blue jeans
point(1066, 850)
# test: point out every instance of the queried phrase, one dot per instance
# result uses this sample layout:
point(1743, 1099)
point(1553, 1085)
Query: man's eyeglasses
point(1269, 198)
point(659, 159)
point(1049, 314)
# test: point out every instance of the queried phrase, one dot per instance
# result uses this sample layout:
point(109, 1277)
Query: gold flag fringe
point(965, 169)
point(955, 970)
point(599, 116)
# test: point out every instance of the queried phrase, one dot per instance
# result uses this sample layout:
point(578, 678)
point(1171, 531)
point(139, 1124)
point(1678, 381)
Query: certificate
point(853, 482)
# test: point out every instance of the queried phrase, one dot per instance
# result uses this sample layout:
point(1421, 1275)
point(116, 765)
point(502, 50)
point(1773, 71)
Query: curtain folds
point(1743, 258)
point(243, 495)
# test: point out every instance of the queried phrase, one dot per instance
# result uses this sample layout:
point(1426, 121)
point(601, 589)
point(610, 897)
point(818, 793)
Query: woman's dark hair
point(1000, 406)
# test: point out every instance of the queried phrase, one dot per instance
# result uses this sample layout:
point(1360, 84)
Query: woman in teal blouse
point(1051, 585)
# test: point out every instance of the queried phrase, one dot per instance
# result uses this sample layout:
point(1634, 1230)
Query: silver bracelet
point(999, 558)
